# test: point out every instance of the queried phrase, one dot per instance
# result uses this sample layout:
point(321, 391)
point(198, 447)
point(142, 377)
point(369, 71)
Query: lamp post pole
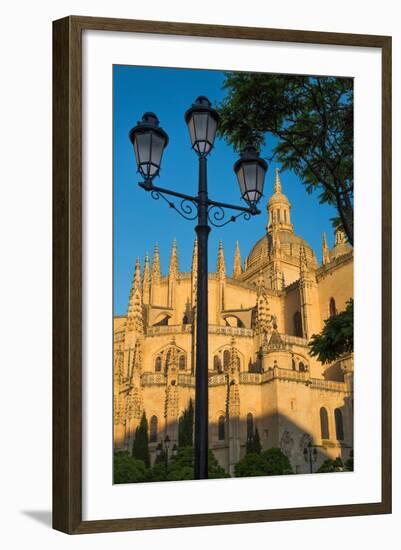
point(310, 455)
point(202, 354)
point(149, 142)
point(164, 449)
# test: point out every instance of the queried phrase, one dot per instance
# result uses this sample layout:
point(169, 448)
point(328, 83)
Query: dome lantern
point(279, 208)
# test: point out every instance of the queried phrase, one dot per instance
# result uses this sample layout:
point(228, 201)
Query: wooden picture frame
point(67, 274)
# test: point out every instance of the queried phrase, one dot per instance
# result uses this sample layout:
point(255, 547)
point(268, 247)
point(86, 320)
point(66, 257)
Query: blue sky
point(140, 221)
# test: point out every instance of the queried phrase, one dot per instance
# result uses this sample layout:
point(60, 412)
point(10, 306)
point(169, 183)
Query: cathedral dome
point(291, 246)
point(280, 240)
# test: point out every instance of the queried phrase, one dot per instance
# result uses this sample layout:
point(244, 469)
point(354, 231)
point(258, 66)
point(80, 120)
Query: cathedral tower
point(325, 250)
point(155, 277)
point(221, 277)
point(308, 296)
point(146, 281)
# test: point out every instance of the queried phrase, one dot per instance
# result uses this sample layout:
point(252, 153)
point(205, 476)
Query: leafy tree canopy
point(181, 467)
point(140, 447)
point(337, 465)
point(349, 463)
point(272, 462)
point(336, 338)
point(312, 121)
point(128, 470)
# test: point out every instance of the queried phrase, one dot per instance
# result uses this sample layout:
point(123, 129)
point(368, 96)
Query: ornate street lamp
point(149, 141)
point(167, 442)
point(310, 455)
point(164, 448)
point(250, 170)
point(202, 122)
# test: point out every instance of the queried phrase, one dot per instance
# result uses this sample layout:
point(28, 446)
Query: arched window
point(324, 424)
point(181, 362)
point(158, 364)
point(338, 417)
point(301, 367)
point(221, 428)
point(216, 363)
point(153, 429)
point(332, 307)
point(226, 359)
point(285, 215)
point(297, 324)
point(294, 365)
point(249, 425)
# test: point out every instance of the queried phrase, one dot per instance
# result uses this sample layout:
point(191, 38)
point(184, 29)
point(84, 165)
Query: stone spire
point(134, 314)
point(303, 263)
point(325, 250)
point(263, 317)
point(237, 262)
point(221, 264)
point(156, 266)
point(234, 365)
point(195, 257)
point(306, 292)
point(277, 183)
point(194, 274)
point(146, 280)
point(137, 275)
point(173, 267)
point(221, 276)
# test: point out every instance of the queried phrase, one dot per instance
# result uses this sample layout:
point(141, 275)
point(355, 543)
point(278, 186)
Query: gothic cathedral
point(261, 375)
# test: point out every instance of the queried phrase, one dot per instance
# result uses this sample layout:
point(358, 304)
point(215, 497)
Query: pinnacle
point(277, 183)
point(221, 264)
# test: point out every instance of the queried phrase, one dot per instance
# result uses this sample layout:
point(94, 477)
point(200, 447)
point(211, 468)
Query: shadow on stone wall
point(276, 430)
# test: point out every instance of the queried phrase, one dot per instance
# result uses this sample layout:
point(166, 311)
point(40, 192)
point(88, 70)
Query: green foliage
point(253, 444)
point(160, 457)
point(330, 465)
point(337, 465)
point(215, 470)
point(311, 119)
point(140, 447)
point(127, 469)
point(185, 426)
point(272, 462)
point(336, 338)
point(349, 463)
point(181, 467)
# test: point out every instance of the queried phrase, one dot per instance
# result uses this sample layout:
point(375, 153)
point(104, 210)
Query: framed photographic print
point(222, 275)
